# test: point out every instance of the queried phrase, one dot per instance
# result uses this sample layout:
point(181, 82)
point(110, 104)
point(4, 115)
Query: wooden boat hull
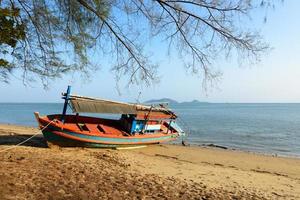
point(58, 134)
point(68, 140)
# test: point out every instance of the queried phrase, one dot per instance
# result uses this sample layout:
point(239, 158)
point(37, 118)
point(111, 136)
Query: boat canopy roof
point(93, 105)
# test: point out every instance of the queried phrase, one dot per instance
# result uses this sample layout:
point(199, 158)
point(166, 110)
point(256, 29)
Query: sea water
point(265, 128)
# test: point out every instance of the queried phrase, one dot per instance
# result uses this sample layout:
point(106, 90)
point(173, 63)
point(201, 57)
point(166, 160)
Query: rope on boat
point(187, 130)
point(27, 138)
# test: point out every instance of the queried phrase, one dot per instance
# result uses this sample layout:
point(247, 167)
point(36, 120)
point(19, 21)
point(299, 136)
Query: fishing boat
point(137, 124)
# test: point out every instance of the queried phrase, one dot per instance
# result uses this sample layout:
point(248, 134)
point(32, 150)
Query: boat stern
point(37, 117)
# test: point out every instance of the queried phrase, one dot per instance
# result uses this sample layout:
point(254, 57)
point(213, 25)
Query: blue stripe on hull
point(101, 141)
point(66, 142)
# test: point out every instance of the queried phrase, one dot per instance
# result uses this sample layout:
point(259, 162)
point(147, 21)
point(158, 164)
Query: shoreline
point(247, 151)
point(208, 145)
point(34, 171)
point(227, 148)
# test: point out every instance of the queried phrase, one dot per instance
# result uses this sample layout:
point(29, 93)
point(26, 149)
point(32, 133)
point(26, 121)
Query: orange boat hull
point(96, 132)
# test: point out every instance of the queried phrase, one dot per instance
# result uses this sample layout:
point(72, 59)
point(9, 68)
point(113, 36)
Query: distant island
point(172, 102)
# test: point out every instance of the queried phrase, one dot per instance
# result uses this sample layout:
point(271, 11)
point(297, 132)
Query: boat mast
point(66, 96)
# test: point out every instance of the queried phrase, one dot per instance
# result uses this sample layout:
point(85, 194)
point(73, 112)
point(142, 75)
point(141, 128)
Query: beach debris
point(216, 146)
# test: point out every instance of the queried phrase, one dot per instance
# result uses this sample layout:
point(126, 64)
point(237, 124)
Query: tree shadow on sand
point(37, 141)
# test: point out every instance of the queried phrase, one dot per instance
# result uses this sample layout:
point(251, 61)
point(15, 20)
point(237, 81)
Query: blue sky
point(275, 79)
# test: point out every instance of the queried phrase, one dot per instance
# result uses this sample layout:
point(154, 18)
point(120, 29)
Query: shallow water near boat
point(264, 128)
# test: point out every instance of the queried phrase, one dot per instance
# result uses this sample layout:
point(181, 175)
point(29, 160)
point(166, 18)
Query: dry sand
point(33, 171)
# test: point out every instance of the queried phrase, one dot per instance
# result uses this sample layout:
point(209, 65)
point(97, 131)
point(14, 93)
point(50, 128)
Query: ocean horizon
point(268, 128)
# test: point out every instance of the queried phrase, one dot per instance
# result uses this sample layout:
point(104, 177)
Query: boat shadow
point(37, 141)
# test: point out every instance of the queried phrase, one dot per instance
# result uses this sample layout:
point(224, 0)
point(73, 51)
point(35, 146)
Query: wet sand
point(34, 171)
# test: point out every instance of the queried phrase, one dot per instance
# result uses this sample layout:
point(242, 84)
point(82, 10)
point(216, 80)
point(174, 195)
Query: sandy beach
point(34, 171)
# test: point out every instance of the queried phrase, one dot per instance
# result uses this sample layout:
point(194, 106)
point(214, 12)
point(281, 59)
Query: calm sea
point(264, 128)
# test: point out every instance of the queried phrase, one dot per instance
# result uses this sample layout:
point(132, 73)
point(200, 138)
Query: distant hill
point(194, 102)
point(174, 102)
point(163, 100)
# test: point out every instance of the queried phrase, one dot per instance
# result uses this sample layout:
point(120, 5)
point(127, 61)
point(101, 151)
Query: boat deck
point(96, 126)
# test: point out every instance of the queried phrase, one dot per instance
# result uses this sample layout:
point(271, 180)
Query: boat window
point(82, 127)
point(149, 131)
point(100, 129)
